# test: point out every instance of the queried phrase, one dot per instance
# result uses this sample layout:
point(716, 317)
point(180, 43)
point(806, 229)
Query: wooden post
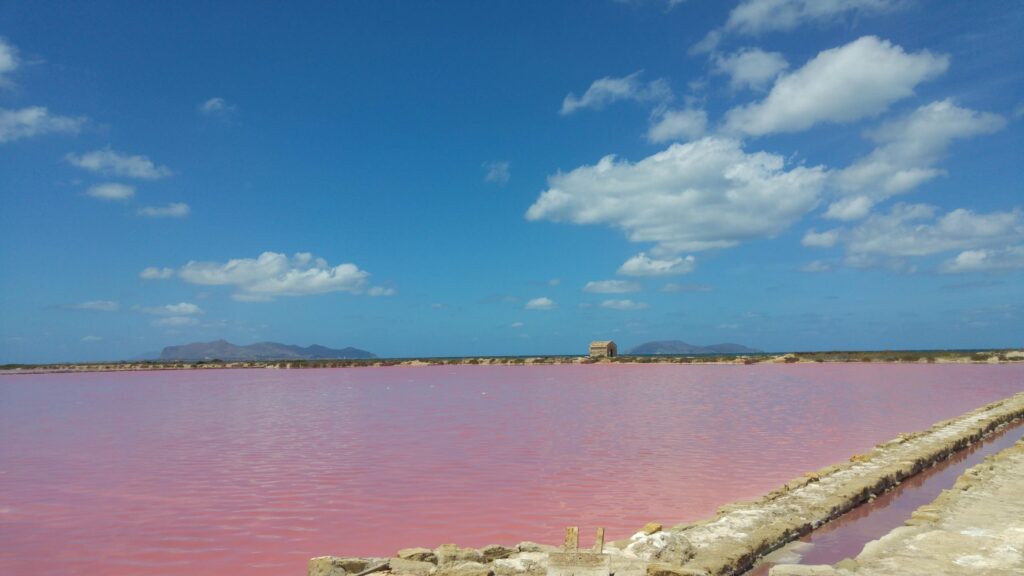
point(572, 538)
point(599, 542)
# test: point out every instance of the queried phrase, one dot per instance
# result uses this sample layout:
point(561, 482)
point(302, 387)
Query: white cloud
point(695, 196)
point(1009, 258)
point(273, 274)
point(907, 153)
point(9, 61)
point(111, 191)
point(34, 121)
point(608, 90)
point(672, 287)
point(381, 291)
point(179, 309)
point(839, 85)
point(90, 338)
point(642, 265)
point(216, 107)
point(496, 172)
point(154, 273)
point(750, 67)
point(517, 325)
point(175, 322)
point(542, 303)
point(816, 266)
point(554, 282)
point(850, 208)
point(917, 230)
point(752, 17)
point(683, 124)
point(99, 306)
point(623, 305)
point(115, 163)
point(611, 286)
point(173, 210)
point(824, 239)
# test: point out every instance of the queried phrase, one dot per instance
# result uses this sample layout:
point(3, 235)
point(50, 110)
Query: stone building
point(603, 348)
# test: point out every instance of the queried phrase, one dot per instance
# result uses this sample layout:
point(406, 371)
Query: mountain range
point(224, 350)
point(680, 347)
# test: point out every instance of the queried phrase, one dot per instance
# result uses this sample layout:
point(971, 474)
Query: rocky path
point(977, 527)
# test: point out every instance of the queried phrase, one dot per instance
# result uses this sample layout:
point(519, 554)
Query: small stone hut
point(603, 348)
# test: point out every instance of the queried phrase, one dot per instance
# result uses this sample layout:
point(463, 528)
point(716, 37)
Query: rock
point(418, 554)
point(664, 547)
point(523, 563)
point(534, 547)
point(452, 554)
point(493, 552)
point(412, 567)
point(651, 528)
point(465, 569)
point(660, 569)
point(326, 566)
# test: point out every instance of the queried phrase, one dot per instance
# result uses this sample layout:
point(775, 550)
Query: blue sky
point(459, 178)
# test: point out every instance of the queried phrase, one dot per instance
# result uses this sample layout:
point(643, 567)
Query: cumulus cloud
point(907, 154)
point(909, 230)
point(824, 239)
point(611, 286)
point(91, 338)
point(154, 273)
point(381, 291)
point(496, 172)
point(34, 121)
point(643, 265)
point(114, 163)
point(695, 196)
point(216, 107)
point(273, 274)
point(840, 85)
point(1009, 258)
point(623, 305)
point(753, 17)
point(111, 191)
point(173, 210)
point(9, 61)
point(179, 309)
point(608, 90)
point(542, 303)
point(683, 124)
point(175, 322)
point(99, 306)
point(750, 67)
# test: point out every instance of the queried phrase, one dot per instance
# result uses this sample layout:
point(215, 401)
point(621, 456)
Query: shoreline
point(734, 539)
point(998, 356)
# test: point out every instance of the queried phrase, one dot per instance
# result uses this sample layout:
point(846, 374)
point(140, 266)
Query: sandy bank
point(730, 542)
point(976, 527)
point(883, 357)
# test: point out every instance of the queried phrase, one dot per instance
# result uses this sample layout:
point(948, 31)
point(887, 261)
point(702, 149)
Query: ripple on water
point(200, 472)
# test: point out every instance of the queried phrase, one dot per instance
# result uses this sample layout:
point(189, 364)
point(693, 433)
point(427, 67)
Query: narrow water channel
point(846, 536)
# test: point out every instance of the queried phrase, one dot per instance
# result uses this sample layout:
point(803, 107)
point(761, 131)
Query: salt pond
point(207, 472)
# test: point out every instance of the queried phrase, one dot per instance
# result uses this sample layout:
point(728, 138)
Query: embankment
point(731, 541)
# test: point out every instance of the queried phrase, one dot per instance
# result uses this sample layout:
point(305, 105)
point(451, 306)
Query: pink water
point(254, 471)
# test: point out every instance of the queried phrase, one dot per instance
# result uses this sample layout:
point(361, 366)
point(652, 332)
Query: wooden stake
point(572, 538)
point(599, 542)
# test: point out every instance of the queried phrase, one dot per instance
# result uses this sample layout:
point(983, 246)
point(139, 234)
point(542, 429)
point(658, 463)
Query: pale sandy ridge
point(976, 527)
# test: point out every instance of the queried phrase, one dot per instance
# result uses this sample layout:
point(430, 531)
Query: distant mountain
point(680, 347)
point(224, 350)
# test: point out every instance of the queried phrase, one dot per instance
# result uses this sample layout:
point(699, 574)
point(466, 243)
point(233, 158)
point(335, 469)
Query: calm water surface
point(254, 471)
